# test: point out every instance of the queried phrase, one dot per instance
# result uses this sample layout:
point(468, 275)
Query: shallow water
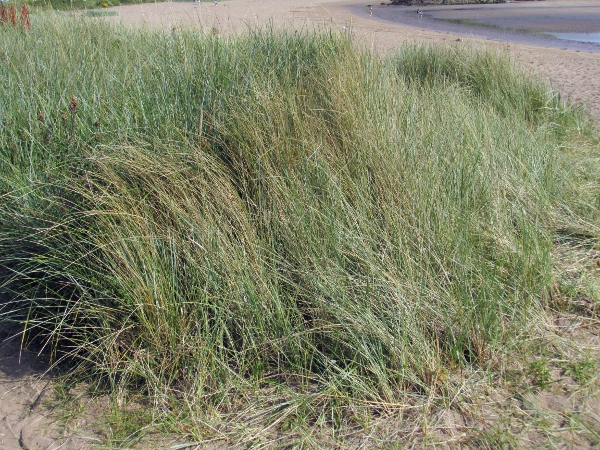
point(550, 25)
point(579, 37)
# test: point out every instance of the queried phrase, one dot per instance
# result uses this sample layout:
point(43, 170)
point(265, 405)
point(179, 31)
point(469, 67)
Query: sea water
point(580, 37)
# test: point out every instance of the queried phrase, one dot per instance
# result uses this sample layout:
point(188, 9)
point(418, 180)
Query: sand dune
point(574, 73)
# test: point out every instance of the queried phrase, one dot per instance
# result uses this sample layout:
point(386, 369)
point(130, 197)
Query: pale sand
point(576, 74)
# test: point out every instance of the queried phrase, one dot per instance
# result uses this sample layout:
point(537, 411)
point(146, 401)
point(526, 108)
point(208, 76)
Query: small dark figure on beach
point(420, 12)
point(370, 10)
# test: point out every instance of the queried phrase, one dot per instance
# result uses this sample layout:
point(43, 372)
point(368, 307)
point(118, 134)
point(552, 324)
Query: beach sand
point(572, 71)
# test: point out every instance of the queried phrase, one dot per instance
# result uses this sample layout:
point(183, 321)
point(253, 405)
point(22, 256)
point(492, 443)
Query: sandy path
point(576, 74)
point(25, 419)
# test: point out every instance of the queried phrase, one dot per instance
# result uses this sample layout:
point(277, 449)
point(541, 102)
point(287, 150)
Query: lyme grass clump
point(190, 216)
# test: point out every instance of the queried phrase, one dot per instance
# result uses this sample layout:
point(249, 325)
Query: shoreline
point(565, 65)
point(464, 20)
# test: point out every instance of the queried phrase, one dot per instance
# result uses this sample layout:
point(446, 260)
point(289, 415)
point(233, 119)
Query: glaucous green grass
point(192, 216)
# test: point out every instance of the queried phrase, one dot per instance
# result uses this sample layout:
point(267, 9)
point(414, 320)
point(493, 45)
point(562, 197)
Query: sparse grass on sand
point(279, 237)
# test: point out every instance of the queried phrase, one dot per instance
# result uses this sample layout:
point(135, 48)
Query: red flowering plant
point(8, 16)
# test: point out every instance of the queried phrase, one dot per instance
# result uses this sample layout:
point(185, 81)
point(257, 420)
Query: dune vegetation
point(282, 220)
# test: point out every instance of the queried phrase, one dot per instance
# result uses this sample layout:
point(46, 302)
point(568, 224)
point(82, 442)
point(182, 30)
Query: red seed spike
point(13, 15)
point(25, 17)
